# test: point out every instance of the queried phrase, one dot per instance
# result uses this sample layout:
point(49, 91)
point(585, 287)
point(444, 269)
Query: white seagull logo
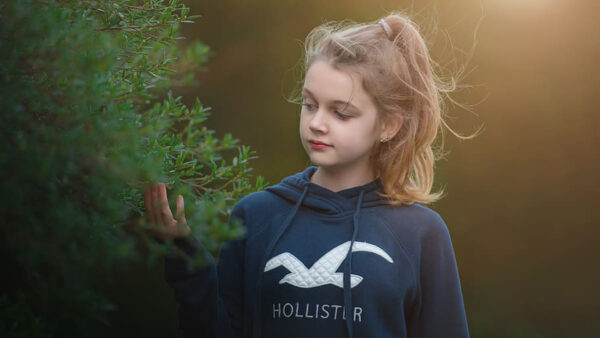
point(324, 270)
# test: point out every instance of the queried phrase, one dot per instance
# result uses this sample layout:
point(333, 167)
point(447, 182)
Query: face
point(348, 132)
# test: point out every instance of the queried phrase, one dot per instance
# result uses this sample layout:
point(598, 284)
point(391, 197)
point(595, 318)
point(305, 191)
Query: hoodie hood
point(299, 190)
point(323, 200)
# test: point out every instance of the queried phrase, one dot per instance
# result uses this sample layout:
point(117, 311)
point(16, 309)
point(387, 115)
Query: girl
point(344, 248)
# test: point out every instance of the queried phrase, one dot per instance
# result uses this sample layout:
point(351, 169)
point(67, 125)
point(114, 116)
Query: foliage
point(83, 134)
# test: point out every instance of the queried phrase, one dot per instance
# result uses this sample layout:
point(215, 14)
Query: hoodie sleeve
point(210, 305)
point(438, 310)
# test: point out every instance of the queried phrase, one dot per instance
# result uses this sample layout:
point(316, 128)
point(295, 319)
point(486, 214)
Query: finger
point(165, 210)
point(148, 202)
point(180, 210)
point(152, 206)
point(156, 205)
point(181, 216)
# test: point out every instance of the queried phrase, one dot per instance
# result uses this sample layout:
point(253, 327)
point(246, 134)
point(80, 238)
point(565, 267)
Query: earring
point(384, 139)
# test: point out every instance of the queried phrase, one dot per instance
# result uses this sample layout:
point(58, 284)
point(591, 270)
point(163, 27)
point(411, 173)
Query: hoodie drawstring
point(347, 270)
point(257, 310)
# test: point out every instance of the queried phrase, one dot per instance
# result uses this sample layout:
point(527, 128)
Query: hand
point(162, 223)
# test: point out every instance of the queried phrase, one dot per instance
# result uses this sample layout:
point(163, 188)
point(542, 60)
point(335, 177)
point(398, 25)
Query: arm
point(195, 290)
point(202, 311)
point(210, 298)
point(438, 310)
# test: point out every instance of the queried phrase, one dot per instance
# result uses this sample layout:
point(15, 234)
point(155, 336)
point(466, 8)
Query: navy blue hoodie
point(318, 263)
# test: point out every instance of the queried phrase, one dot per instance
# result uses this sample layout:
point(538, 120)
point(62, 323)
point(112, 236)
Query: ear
point(391, 126)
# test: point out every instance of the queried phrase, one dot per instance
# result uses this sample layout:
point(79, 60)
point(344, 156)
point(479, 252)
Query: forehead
point(329, 84)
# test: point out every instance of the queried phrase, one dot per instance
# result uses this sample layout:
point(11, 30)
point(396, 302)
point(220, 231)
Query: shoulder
point(257, 199)
point(432, 221)
point(255, 205)
point(416, 226)
point(433, 235)
point(415, 218)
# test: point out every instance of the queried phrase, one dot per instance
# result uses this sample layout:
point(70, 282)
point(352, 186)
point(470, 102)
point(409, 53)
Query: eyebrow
point(350, 105)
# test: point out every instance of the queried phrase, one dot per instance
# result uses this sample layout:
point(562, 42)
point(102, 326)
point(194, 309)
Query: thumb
point(180, 214)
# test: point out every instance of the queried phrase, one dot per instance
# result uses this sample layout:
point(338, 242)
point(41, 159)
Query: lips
point(318, 143)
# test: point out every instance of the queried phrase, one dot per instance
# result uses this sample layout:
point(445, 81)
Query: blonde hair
point(396, 71)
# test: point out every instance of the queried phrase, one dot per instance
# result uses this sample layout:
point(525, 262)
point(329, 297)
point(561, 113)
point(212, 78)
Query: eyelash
point(340, 115)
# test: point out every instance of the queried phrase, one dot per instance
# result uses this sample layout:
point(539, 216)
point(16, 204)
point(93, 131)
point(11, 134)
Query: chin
point(321, 162)
point(315, 160)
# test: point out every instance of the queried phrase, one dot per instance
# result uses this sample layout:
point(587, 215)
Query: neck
point(336, 179)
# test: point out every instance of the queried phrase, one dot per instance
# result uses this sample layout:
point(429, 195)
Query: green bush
point(83, 133)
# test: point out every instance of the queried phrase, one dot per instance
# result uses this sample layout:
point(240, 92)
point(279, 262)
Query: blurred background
point(520, 197)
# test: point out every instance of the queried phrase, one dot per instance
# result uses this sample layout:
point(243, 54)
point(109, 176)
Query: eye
point(311, 107)
point(342, 116)
point(308, 106)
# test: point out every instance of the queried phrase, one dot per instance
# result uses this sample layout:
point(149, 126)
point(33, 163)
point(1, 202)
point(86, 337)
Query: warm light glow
point(516, 4)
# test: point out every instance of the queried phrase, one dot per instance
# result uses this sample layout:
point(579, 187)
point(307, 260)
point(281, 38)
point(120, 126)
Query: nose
point(318, 121)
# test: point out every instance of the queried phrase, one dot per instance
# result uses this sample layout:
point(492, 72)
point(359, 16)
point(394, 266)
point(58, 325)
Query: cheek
point(353, 141)
point(359, 139)
point(301, 123)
